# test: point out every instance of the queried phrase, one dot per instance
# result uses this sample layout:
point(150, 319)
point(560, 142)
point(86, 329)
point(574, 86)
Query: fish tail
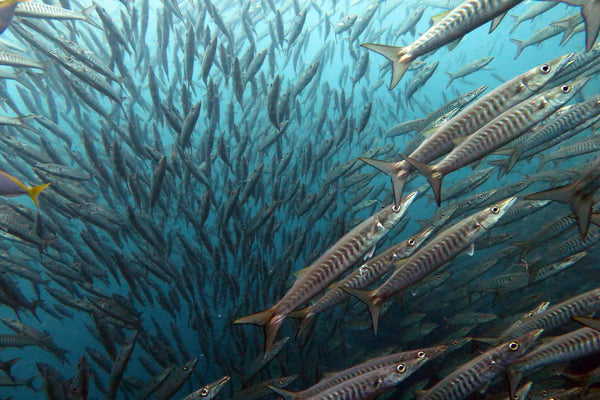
point(307, 320)
point(367, 297)
point(393, 54)
point(487, 340)
point(590, 11)
point(502, 166)
point(8, 365)
point(389, 168)
point(35, 191)
point(32, 307)
point(267, 319)
point(543, 162)
point(29, 383)
point(514, 158)
point(451, 79)
point(433, 177)
point(517, 22)
point(520, 47)
point(581, 204)
point(286, 394)
point(87, 16)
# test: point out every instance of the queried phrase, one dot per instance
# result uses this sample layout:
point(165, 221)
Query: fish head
point(397, 212)
point(492, 214)
point(429, 353)
point(536, 78)
point(514, 349)
point(572, 259)
point(210, 391)
point(565, 92)
point(285, 381)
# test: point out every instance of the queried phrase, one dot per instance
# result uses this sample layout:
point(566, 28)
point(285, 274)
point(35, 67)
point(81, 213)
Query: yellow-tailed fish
point(11, 186)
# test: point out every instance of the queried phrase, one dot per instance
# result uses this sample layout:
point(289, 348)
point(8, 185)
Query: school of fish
point(174, 171)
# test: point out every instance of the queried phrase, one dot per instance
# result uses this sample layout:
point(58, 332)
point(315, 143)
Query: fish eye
point(495, 210)
point(521, 183)
point(530, 314)
point(204, 392)
point(545, 68)
point(411, 242)
point(184, 368)
point(442, 215)
point(282, 380)
point(565, 88)
point(544, 393)
point(421, 354)
point(455, 342)
point(480, 195)
point(567, 259)
point(513, 346)
point(401, 368)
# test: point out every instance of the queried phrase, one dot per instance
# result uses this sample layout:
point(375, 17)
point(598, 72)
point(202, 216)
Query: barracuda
point(340, 381)
point(437, 252)
point(470, 120)
point(349, 249)
point(498, 132)
point(482, 369)
point(579, 195)
point(458, 22)
point(361, 277)
point(32, 9)
point(567, 347)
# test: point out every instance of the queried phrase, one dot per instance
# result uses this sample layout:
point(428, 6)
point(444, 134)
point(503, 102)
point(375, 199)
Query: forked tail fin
point(35, 191)
point(393, 54)
point(267, 320)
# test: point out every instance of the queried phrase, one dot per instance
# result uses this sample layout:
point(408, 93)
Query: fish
point(13, 186)
point(458, 22)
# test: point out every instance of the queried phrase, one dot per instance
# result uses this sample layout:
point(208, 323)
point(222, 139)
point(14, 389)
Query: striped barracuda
point(498, 132)
point(341, 256)
point(570, 346)
point(14, 60)
point(405, 363)
point(437, 252)
point(567, 152)
point(32, 9)
point(584, 304)
point(361, 277)
point(469, 120)
point(575, 116)
point(458, 22)
point(579, 195)
point(482, 369)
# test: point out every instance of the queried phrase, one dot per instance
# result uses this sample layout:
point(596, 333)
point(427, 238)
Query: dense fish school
point(299, 199)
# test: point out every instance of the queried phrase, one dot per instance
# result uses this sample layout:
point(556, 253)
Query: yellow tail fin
point(35, 191)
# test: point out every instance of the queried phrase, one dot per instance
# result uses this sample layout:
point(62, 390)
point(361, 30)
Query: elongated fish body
point(535, 9)
point(438, 251)
point(469, 69)
point(13, 60)
point(412, 360)
point(499, 132)
point(482, 369)
point(560, 314)
point(470, 120)
point(349, 249)
point(32, 9)
point(458, 22)
point(364, 275)
point(570, 346)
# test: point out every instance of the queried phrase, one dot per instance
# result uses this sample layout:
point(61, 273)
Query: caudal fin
point(367, 297)
point(285, 394)
point(451, 79)
point(581, 204)
point(393, 54)
point(433, 177)
point(390, 169)
point(35, 191)
point(520, 47)
point(267, 320)
point(8, 365)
